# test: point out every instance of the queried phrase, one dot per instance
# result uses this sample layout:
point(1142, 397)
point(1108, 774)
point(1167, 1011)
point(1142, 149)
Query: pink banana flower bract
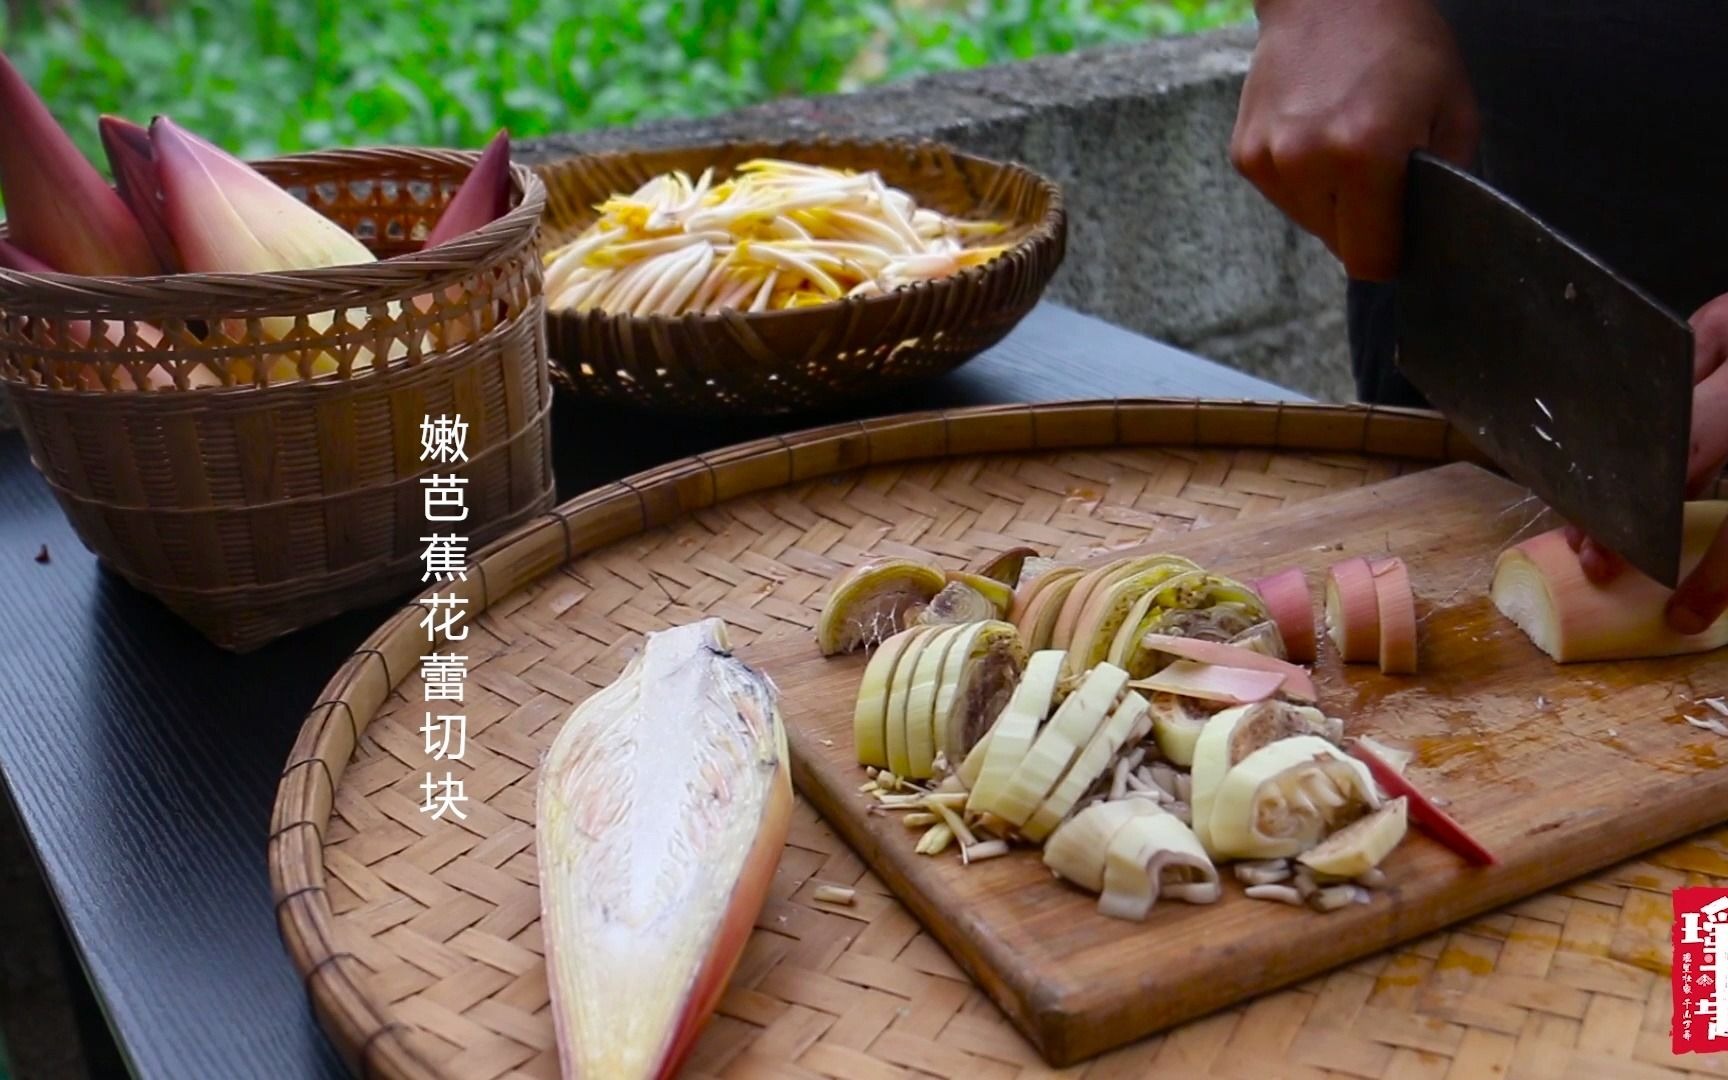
point(58, 207)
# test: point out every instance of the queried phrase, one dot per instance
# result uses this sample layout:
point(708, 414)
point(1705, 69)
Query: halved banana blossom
point(58, 207)
point(133, 161)
point(1539, 585)
point(663, 807)
point(1285, 798)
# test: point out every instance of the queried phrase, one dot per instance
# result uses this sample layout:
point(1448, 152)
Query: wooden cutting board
point(1559, 770)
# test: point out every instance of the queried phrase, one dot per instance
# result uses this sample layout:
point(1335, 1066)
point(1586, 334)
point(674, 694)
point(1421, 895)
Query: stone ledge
point(1166, 239)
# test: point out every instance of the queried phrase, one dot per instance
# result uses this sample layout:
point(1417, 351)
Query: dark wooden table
point(142, 762)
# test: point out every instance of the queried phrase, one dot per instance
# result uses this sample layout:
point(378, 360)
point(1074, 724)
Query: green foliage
point(263, 76)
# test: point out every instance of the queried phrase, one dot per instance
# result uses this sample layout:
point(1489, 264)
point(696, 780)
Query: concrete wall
point(1165, 238)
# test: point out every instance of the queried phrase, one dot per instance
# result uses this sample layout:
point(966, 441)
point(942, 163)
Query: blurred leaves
point(261, 76)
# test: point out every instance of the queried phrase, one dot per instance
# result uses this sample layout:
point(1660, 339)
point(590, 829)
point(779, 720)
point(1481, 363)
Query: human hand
point(1703, 593)
point(1338, 95)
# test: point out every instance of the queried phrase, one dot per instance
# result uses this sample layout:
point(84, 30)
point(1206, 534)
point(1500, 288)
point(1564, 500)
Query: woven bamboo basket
point(735, 363)
point(271, 477)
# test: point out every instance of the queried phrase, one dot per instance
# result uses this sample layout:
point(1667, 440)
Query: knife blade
point(1572, 379)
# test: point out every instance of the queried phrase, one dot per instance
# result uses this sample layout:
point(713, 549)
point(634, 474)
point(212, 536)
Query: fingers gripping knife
point(1566, 375)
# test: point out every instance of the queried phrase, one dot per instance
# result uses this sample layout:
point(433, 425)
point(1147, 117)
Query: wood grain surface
point(1560, 770)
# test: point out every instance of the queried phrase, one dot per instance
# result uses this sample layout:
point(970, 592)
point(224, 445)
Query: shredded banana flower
point(777, 235)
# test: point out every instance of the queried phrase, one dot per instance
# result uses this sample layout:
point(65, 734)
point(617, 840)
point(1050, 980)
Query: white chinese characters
point(443, 440)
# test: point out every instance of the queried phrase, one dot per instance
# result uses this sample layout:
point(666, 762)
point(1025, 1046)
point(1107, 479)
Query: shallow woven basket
point(292, 491)
point(782, 361)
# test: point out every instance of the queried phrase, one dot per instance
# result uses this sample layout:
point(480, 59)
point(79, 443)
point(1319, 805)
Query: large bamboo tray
point(419, 940)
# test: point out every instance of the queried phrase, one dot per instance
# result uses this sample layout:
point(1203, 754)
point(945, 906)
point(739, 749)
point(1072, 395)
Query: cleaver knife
point(1573, 380)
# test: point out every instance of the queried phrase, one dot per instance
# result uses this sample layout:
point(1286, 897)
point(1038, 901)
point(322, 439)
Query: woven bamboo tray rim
point(375, 1040)
point(301, 291)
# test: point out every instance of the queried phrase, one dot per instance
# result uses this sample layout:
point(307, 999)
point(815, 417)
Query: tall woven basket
point(269, 473)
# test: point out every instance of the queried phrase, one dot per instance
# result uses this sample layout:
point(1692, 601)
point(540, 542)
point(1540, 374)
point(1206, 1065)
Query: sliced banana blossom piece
point(979, 677)
point(870, 714)
point(1006, 567)
point(1214, 682)
point(1361, 845)
point(1292, 606)
point(1191, 605)
point(1000, 594)
point(1284, 798)
point(1539, 585)
point(1035, 567)
point(1177, 723)
point(1283, 894)
point(1113, 601)
point(1398, 760)
point(1038, 606)
point(1151, 857)
point(1232, 735)
point(1059, 743)
point(1014, 730)
point(1353, 611)
point(924, 683)
point(1262, 872)
point(1076, 850)
point(662, 810)
point(1128, 722)
point(955, 603)
point(1396, 608)
point(1297, 684)
point(873, 601)
point(1265, 639)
